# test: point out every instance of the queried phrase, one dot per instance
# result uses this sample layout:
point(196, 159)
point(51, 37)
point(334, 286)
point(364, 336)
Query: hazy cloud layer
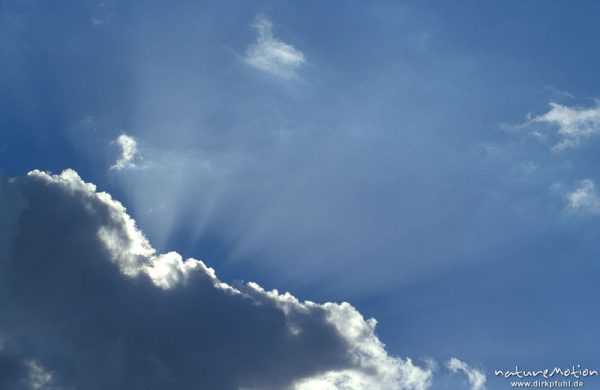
point(271, 55)
point(88, 303)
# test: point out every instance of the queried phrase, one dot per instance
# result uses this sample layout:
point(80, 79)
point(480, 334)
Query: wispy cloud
point(129, 152)
point(271, 55)
point(574, 124)
point(584, 199)
point(475, 377)
point(38, 377)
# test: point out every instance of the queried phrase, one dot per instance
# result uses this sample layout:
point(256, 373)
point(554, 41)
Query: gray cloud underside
point(87, 303)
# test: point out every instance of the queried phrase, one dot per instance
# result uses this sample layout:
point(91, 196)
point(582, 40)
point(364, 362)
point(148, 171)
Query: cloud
point(88, 303)
point(584, 199)
point(271, 55)
point(475, 377)
point(38, 378)
point(574, 124)
point(129, 152)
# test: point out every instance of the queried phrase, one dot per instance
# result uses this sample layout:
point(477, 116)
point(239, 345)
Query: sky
point(356, 195)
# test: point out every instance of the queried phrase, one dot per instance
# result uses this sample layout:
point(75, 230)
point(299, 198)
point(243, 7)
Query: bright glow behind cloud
point(99, 273)
point(271, 55)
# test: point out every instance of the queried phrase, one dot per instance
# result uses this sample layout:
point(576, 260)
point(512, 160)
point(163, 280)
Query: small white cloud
point(271, 55)
point(584, 199)
point(530, 168)
point(475, 377)
point(129, 152)
point(96, 21)
point(39, 378)
point(104, 13)
point(574, 123)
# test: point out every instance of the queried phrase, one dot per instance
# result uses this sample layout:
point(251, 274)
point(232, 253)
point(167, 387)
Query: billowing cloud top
point(87, 303)
point(271, 55)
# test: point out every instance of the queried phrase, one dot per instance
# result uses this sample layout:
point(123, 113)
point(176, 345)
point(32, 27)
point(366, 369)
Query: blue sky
point(433, 163)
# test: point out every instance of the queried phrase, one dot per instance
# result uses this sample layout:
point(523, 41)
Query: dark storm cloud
point(88, 304)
